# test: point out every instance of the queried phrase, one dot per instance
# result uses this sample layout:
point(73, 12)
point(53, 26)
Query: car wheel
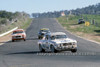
point(24, 39)
point(52, 48)
point(41, 49)
point(73, 50)
point(38, 37)
point(13, 40)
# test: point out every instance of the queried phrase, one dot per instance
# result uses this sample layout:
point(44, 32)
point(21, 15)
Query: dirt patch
point(5, 38)
point(88, 36)
point(64, 27)
point(73, 27)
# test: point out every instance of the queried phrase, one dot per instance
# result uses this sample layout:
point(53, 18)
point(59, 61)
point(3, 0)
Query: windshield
point(58, 37)
point(17, 32)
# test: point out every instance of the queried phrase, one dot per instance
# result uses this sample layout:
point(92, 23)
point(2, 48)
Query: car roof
point(56, 33)
point(44, 29)
point(18, 30)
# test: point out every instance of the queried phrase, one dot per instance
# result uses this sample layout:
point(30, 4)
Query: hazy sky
point(34, 6)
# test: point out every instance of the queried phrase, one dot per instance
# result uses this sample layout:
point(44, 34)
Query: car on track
point(57, 41)
point(18, 34)
point(80, 21)
point(42, 32)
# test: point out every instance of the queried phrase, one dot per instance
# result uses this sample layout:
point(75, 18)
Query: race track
point(26, 54)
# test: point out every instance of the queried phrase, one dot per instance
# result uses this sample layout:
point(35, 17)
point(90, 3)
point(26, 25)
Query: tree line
point(8, 17)
point(91, 9)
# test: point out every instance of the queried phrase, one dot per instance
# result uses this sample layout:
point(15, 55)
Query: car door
point(44, 42)
point(47, 42)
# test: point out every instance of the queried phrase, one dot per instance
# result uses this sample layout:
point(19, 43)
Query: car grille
point(18, 36)
point(42, 34)
point(65, 44)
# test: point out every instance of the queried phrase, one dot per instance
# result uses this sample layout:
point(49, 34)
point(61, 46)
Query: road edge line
point(8, 32)
point(1, 35)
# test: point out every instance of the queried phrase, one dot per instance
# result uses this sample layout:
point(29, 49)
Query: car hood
point(66, 40)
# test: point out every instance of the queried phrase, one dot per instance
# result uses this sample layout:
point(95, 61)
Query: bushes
point(9, 20)
point(3, 21)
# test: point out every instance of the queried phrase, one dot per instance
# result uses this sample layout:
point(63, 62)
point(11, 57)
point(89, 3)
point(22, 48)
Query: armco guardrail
point(8, 32)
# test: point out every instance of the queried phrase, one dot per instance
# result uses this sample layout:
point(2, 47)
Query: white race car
point(57, 41)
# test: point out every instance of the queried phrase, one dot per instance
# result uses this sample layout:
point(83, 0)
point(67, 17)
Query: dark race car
point(42, 32)
point(80, 21)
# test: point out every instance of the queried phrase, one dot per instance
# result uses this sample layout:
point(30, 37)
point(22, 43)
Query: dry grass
point(22, 25)
point(91, 32)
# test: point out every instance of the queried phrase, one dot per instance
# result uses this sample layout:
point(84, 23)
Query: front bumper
point(17, 38)
point(67, 47)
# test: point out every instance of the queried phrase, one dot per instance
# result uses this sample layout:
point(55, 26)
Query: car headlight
point(23, 36)
point(74, 43)
point(58, 45)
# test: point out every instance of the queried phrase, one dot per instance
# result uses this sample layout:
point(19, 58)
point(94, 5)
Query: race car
point(57, 41)
point(18, 34)
point(80, 21)
point(42, 32)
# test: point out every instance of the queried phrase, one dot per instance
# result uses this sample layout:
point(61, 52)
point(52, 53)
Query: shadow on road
point(31, 52)
point(58, 53)
point(32, 39)
point(21, 40)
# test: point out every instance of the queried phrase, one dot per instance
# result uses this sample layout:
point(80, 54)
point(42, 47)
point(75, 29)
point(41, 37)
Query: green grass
point(26, 24)
point(71, 23)
point(23, 24)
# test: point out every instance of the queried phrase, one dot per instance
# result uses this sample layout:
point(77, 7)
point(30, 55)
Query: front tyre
point(38, 37)
point(41, 49)
point(73, 50)
point(24, 39)
point(53, 50)
point(13, 40)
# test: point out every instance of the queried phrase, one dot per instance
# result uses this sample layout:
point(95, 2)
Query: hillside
point(91, 9)
point(9, 20)
point(91, 32)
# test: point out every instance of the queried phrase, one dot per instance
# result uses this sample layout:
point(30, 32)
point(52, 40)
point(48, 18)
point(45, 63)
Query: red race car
point(18, 34)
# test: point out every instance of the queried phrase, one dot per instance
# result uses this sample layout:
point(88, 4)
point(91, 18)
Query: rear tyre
point(41, 49)
point(73, 50)
point(53, 50)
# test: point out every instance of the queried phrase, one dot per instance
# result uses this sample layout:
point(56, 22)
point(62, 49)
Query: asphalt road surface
point(26, 54)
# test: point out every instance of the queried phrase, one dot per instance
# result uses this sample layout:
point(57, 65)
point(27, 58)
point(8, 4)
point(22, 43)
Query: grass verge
point(20, 24)
point(91, 32)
